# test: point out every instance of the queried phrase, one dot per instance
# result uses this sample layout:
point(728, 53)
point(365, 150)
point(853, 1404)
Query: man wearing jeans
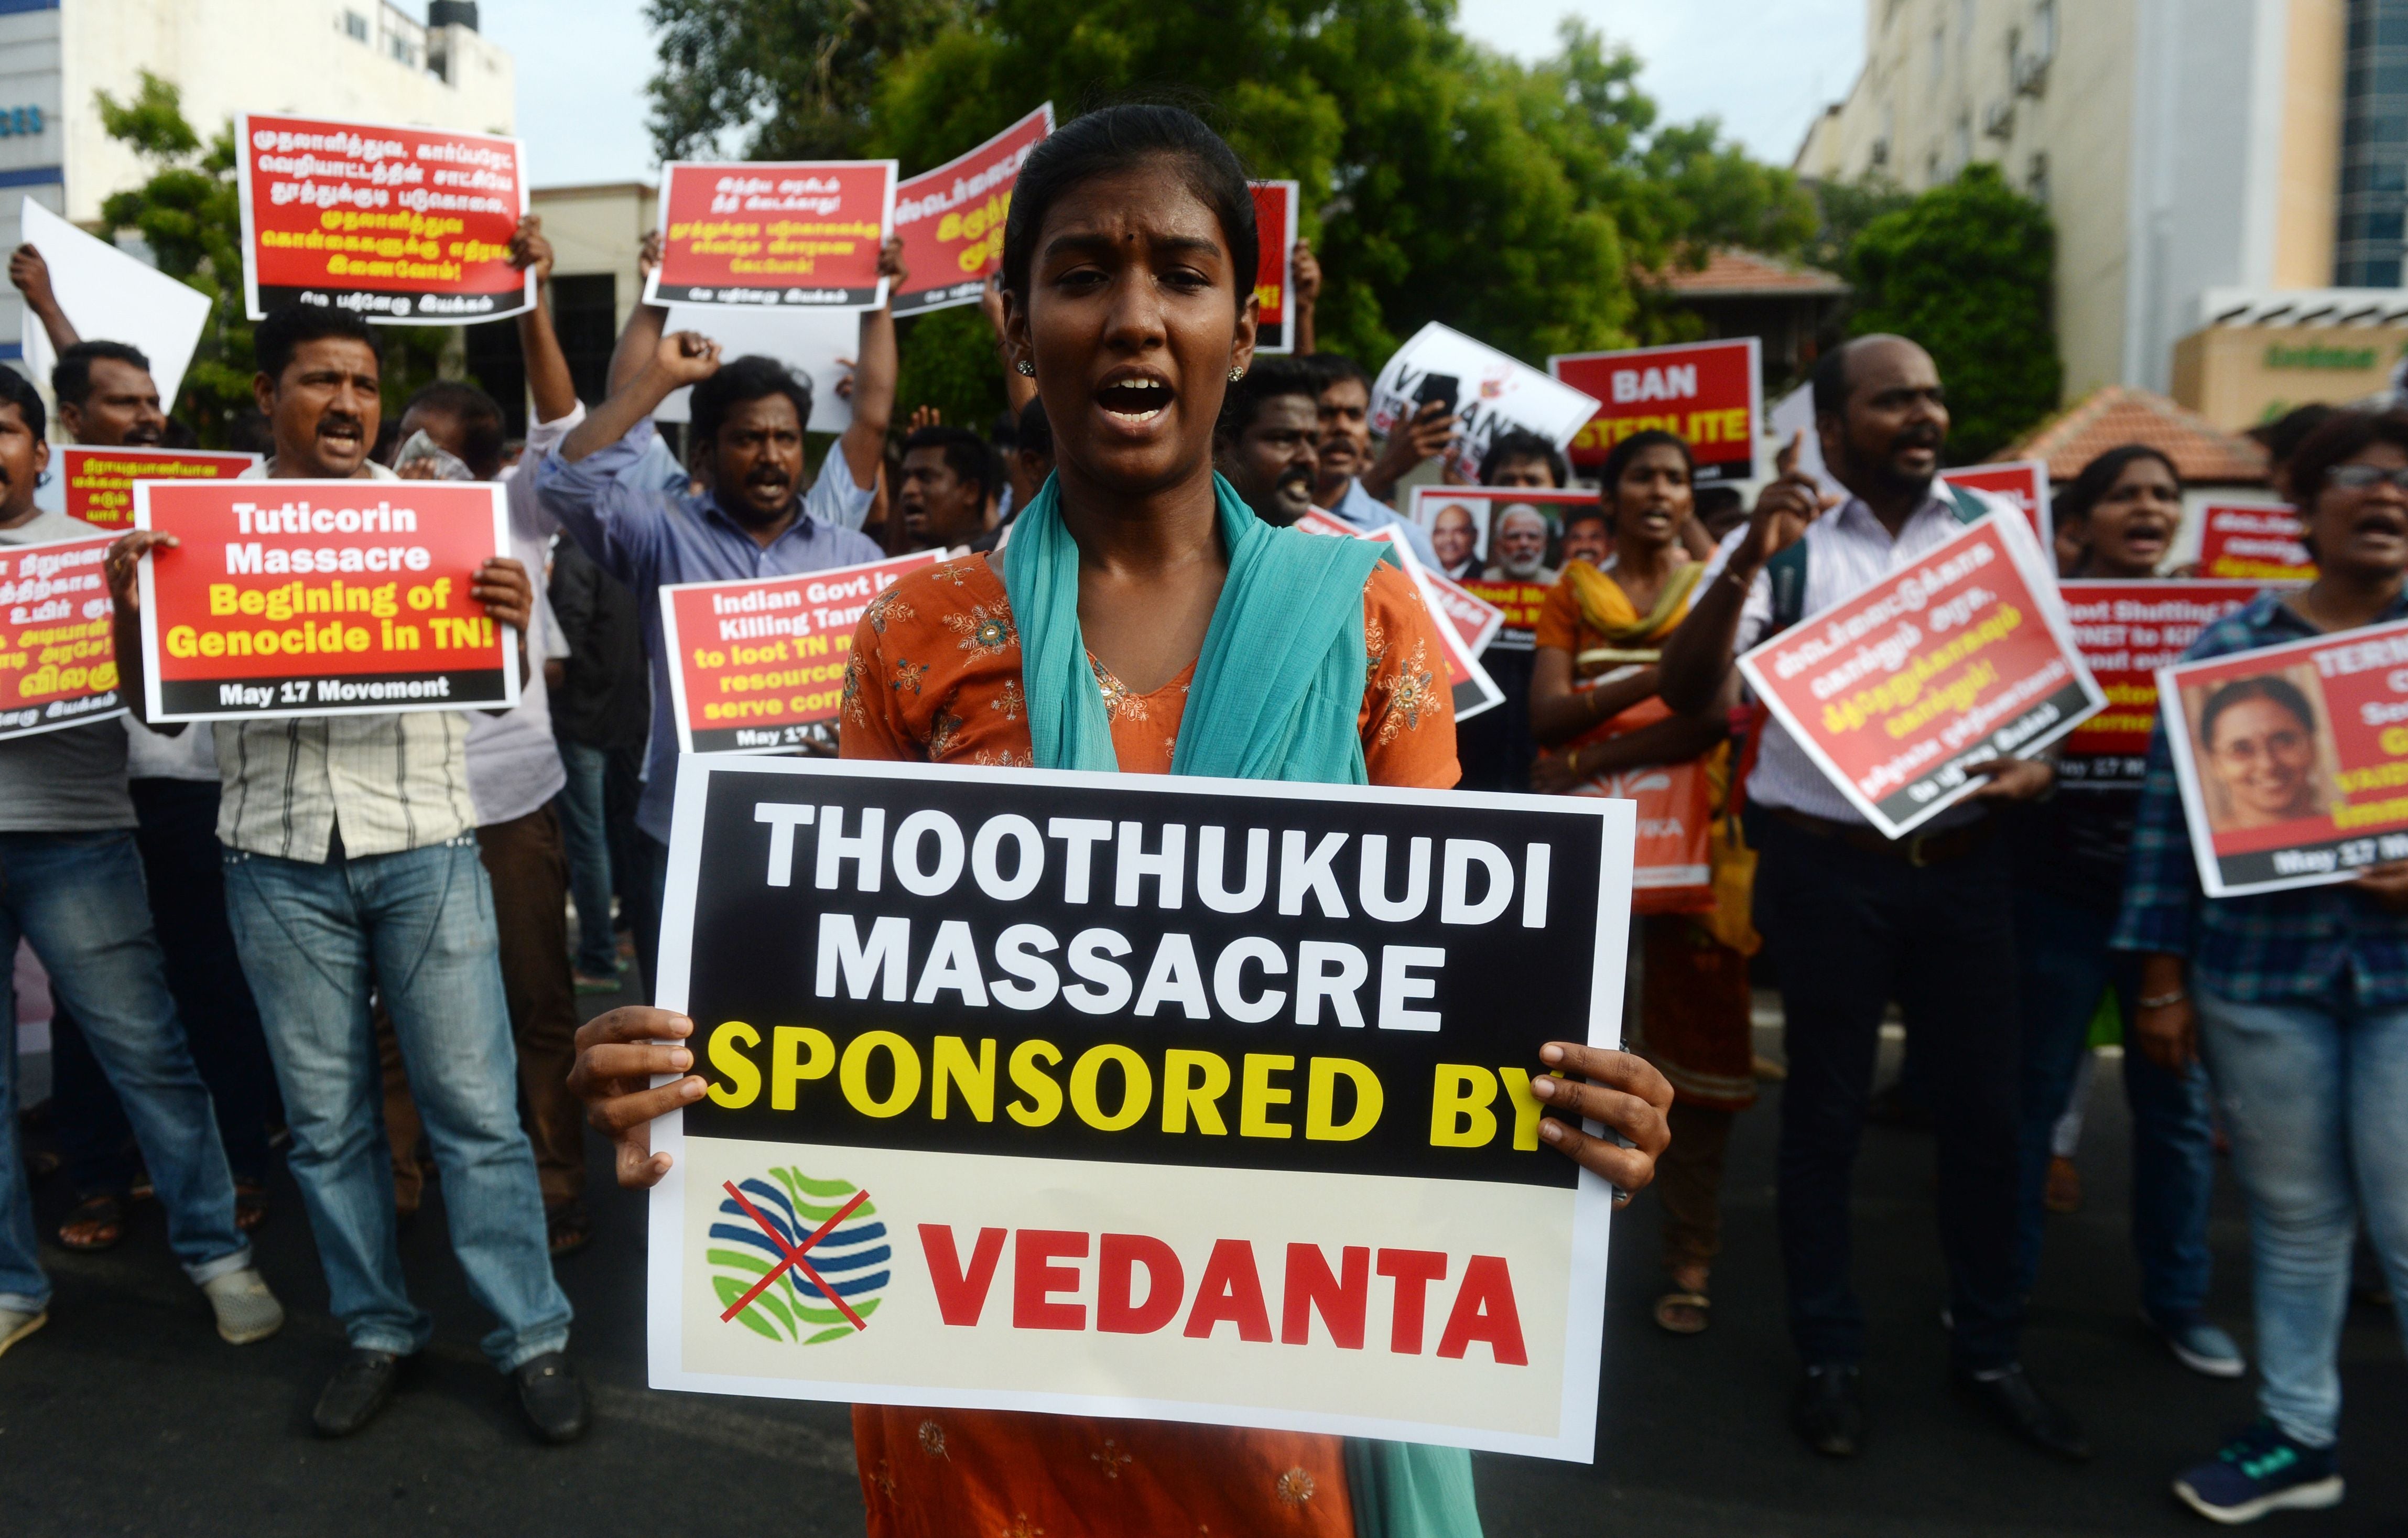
point(352, 864)
point(71, 884)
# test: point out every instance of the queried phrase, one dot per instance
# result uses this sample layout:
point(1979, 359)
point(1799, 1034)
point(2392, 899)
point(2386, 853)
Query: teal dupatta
point(1277, 692)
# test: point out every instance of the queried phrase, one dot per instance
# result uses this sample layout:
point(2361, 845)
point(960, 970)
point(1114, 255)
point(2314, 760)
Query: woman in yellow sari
point(1593, 702)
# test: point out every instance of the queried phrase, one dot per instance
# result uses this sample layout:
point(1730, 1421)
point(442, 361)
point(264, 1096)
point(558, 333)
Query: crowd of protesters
point(344, 941)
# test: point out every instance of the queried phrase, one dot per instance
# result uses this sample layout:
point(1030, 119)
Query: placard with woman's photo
point(2293, 760)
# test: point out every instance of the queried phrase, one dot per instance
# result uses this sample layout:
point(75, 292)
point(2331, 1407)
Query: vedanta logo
point(796, 1259)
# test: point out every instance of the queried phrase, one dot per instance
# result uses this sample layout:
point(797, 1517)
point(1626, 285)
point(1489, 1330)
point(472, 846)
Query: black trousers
point(1851, 929)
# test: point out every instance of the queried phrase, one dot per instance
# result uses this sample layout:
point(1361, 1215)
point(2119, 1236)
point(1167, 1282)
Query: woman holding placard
point(2298, 1002)
point(1139, 621)
point(2118, 519)
point(1593, 701)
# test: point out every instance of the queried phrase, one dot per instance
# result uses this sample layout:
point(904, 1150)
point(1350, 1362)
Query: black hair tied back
point(1115, 138)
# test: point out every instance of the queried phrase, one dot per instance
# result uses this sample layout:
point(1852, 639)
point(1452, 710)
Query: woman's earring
point(1026, 367)
point(1236, 374)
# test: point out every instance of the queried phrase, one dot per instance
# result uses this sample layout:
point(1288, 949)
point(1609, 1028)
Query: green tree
point(189, 214)
point(1967, 269)
point(1523, 205)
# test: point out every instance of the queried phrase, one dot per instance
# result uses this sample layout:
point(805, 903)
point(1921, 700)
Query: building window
point(355, 26)
point(2373, 203)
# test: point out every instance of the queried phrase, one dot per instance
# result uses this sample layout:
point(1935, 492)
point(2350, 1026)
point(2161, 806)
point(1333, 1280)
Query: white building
point(2210, 165)
point(368, 59)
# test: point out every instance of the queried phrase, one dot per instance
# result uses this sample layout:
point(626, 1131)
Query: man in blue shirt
point(753, 521)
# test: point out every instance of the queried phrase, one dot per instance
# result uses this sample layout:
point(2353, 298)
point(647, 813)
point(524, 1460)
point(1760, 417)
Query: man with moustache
point(71, 888)
point(1354, 487)
point(1587, 538)
point(1518, 547)
point(351, 871)
point(1855, 919)
point(1263, 444)
point(108, 399)
point(947, 485)
point(754, 520)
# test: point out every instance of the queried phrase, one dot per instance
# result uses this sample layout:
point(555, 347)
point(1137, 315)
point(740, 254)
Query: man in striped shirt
point(1855, 919)
point(352, 864)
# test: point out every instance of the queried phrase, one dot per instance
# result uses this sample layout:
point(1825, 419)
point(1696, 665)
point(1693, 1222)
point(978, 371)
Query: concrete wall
point(2180, 145)
point(2238, 376)
point(596, 229)
point(228, 56)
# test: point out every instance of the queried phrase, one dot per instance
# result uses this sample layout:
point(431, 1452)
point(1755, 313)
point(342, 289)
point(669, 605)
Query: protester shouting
point(1354, 487)
point(351, 868)
point(1127, 262)
point(71, 886)
point(2297, 1002)
point(759, 517)
point(2120, 515)
point(1593, 698)
point(1855, 918)
point(1263, 443)
point(947, 486)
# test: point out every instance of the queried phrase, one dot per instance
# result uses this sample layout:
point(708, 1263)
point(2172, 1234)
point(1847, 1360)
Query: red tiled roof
point(2116, 414)
point(1731, 273)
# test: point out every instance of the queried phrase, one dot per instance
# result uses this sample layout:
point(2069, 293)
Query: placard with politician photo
point(1507, 545)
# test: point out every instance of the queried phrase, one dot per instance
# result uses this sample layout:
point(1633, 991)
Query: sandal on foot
point(250, 1205)
point(102, 1217)
point(1670, 1317)
point(568, 1228)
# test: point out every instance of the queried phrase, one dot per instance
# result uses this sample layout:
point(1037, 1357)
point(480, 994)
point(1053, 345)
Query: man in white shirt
point(353, 868)
point(1855, 919)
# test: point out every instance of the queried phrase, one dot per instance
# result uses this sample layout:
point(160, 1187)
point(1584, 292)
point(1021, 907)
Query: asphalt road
point(127, 1414)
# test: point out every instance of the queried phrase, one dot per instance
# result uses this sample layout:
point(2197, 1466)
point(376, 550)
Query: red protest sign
point(1959, 656)
point(58, 663)
point(1275, 232)
point(99, 483)
point(2293, 759)
point(2253, 541)
point(1709, 395)
point(2022, 481)
point(2127, 631)
point(398, 224)
point(1461, 617)
point(951, 218)
point(759, 663)
point(773, 232)
point(321, 598)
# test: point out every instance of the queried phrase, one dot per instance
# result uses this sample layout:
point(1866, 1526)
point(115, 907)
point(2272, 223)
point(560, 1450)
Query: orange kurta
point(935, 677)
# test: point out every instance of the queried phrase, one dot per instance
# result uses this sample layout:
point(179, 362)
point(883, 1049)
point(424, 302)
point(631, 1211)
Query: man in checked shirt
point(352, 864)
point(1855, 919)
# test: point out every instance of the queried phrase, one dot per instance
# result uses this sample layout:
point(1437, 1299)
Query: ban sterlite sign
point(1188, 1099)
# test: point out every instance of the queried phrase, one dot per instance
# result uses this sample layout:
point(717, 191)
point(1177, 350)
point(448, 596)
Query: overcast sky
point(1765, 68)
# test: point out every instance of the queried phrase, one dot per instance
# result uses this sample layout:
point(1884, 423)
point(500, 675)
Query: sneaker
point(246, 1310)
point(2199, 1345)
point(15, 1326)
point(2259, 1471)
point(587, 983)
